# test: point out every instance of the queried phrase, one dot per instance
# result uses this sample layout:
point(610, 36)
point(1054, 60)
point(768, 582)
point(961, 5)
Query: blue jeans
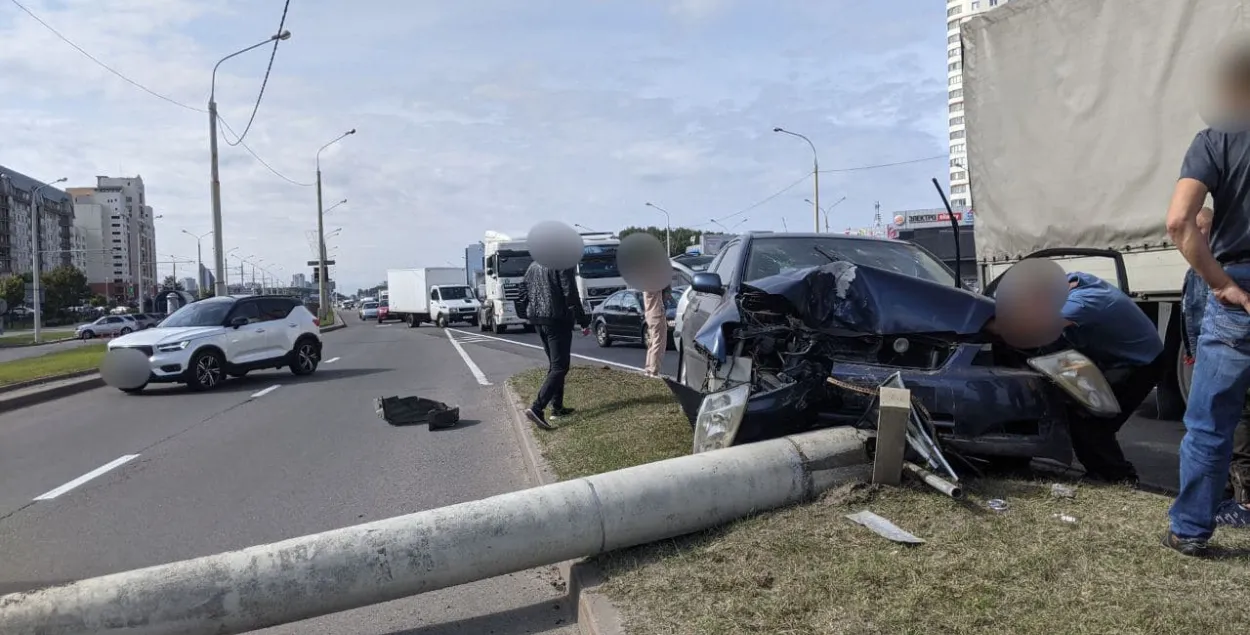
point(1193, 304)
point(1221, 379)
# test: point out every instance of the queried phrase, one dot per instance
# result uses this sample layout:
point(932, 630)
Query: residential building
point(78, 248)
point(299, 281)
point(957, 11)
point(20, 195)
point(210, 280)
point(91, 221)
point(189, 285)
point(129, 246)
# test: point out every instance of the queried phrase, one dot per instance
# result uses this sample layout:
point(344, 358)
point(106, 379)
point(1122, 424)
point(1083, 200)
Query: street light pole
point(36, 256)
point(199, 257)
point(815, 174)
point(322, 301)
point(220, 257)
point(668, 228)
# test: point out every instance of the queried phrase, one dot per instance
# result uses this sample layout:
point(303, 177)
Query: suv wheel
point(88, 334)
point(305, 357)
point(126, 330)
point(207, 370)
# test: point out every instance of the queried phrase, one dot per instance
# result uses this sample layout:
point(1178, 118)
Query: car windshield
point(199, 314)
point(512, 264)
point(775, 255)
point(454, 293)
point(384, 303)
point(598, 261)
point(369, 305)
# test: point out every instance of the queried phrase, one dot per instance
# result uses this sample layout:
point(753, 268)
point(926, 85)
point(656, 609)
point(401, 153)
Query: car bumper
point(165, 367)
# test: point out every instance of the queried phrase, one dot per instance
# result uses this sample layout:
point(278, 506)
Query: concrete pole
point(376, 562)
point(219, 256)
point(35, 269)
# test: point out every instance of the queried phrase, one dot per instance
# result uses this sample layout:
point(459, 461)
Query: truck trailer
point(431, 294)
point(1078, 115)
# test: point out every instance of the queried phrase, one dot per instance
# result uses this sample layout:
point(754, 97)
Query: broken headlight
point(719, 418)
point(1081, 379)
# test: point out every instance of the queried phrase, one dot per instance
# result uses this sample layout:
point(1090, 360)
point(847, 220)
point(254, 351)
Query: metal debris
point(884, 528)
point(406, 411)
point(997, 504)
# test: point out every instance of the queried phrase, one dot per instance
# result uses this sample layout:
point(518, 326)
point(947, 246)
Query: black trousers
point(558, 344)
point(1094, 438)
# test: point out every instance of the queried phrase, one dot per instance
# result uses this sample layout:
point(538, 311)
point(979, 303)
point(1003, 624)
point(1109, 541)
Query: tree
point(681, 236)
point(13, 291)
point(64, 287)
point(99, 301)
point(171, 282)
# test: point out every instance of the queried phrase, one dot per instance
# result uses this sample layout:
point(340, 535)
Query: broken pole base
point(892, 417)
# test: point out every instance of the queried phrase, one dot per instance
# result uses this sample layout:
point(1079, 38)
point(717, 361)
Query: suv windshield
point(774, 255)
point(453, 293)
point(199, 314)
point(512, 264)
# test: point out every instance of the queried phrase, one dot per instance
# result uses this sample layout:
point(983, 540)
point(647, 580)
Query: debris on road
point(406, 411)
point(1066, 518)
point(997, 504)
point(884, 528)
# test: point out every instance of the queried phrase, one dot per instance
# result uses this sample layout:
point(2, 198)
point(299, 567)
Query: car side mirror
point(238, 321)
point(708, 283)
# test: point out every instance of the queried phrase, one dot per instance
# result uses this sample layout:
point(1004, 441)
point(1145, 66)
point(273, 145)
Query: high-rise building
point(299, 281)
point(956, 12)
point(115, 215)
point(20, 195)
point(189, 285)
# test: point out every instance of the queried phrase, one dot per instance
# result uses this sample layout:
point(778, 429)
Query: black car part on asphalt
point(406, 411)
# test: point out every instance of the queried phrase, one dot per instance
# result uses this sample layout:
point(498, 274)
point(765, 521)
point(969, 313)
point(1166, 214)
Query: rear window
point(369, 305)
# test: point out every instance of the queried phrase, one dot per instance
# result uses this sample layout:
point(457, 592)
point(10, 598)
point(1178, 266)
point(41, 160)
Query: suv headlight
point(173, 348)
point(1081, 379)
point(719, 417)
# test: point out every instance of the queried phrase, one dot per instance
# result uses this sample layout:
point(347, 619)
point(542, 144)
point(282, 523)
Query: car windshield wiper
point(831, 257)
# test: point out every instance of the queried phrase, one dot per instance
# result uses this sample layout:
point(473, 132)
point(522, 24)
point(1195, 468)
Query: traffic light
point(316, 274)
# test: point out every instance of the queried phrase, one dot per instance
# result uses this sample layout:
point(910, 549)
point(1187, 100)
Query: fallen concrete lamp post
point(357, 566)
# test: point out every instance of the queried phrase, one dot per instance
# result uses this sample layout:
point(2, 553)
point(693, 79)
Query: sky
point(479, 115)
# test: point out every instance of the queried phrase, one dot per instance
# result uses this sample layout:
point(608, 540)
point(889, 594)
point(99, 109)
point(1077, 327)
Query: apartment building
point(120, 232)
point(20, 197)
point(956, 12)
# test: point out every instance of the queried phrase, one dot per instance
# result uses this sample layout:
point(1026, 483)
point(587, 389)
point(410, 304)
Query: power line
point(155, 94)
point(885, 165)
point(759, 202)
point(264, 82)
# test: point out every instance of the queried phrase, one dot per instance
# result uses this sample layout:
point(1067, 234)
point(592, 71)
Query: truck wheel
point(441, 321)
point(412, 321)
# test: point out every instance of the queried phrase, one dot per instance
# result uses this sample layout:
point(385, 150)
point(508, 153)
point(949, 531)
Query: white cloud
point(487, 114)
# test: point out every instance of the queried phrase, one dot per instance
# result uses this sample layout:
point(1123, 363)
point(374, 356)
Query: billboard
point(930, 218)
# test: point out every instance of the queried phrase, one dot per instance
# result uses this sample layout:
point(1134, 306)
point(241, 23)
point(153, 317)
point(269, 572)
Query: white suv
point(203, 342)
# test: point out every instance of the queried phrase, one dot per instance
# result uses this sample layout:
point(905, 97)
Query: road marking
point(87, 477)
point(331, 360)
point(382, 326)
point(598, 360)
point(266, 391)
point(477, 372)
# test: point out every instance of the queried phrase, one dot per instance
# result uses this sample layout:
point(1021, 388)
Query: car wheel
point(441, 321)
point(126, 331)
point(413, 322)
point(207, 369)
point(133, 391)
point(601, 335)
point(305, 357)
point(86, 335)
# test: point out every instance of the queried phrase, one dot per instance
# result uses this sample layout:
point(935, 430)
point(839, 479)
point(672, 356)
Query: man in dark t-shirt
point(1217, 163)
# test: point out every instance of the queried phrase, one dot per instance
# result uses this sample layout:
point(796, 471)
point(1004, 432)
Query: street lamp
point(199, 256)
point(36, 255)
point(581, 226)
point(815, 174)
point(826, 210)
point(668, 228)
point(331, 208)
point(322, 301)
point(722, 226)
point(218, 255)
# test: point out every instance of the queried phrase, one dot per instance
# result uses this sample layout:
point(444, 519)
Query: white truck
point(598, 275)
point(503, 272)
point(1079, 113)
point(431, 294)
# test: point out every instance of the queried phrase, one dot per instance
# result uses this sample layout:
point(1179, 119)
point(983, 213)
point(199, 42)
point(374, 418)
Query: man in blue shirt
point(1216, 164)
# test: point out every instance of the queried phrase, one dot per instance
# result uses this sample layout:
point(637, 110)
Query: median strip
point(806, 569)
point(52, 365)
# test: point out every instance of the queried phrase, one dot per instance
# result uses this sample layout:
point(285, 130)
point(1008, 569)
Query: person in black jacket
point(549, 300)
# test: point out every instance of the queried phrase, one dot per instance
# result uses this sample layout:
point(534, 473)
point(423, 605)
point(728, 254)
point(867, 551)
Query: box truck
point(1078, 115)
point(431, 294)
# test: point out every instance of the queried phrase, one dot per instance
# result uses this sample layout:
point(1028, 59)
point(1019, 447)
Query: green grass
point(22, 339)
point(808, 570)
point(62, 362)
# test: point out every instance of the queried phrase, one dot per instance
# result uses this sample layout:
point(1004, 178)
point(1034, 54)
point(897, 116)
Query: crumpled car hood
point(862, 299)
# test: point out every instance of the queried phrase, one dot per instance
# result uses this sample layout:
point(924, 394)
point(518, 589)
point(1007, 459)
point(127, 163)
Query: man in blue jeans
point(1217, 163)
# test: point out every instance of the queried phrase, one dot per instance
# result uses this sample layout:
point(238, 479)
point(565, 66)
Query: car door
point(631, 319)
point(247, 343)
point(281, 328)
point(111, 326)
point(726, 265)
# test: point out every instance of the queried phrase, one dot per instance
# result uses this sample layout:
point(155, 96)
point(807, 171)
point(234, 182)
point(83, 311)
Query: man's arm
point(1182, 224)
point(568, 279)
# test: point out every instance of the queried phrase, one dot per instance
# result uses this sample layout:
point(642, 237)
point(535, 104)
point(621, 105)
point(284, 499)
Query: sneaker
point(556, 413)
point(1195, 547)
point(1231, 514)
point(537, 418)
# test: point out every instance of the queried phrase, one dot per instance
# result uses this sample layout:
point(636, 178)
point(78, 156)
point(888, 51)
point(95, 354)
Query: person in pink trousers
point(655, 311)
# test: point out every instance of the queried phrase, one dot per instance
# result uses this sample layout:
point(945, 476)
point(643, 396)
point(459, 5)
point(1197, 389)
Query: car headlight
point(719, 417)
point(171, 348)
point(1080, 378)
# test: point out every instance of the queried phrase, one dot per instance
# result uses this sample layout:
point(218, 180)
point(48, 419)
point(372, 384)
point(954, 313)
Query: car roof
point(765, 234)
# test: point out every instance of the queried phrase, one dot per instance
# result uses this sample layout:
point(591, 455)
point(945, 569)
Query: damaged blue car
point(791, 332)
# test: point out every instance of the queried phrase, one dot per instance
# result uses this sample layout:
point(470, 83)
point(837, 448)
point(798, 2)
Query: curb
point(595, 613)
point(29, 383)
point(338, 324)
point(32, 344)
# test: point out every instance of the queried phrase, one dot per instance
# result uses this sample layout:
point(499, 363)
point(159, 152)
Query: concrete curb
point(338, 324)
point(595, 613)
point(30, 383)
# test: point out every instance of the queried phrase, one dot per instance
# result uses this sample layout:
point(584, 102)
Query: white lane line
point(331, 360)
point(536, 346)
point(266, 391)
point(468, 361)
point(87, 477)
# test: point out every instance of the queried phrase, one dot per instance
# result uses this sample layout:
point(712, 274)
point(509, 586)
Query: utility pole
point(323, 302)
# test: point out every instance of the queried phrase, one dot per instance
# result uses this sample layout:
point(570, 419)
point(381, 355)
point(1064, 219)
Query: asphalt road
point(180, 474)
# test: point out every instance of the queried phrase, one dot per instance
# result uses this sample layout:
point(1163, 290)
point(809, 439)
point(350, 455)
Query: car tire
point(441, 321)
point(601, 335)
point(206, 371)
point(87, 335)
point(133, 391)
point(413, 322)
point(305, 357)
point(127, 330)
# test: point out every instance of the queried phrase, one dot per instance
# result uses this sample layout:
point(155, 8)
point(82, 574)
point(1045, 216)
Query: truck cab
point(506, 261)
point(453, 303)
point(598, 275)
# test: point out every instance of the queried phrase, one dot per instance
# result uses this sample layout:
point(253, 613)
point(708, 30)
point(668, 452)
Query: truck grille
point(512, 290)
point(602, 292)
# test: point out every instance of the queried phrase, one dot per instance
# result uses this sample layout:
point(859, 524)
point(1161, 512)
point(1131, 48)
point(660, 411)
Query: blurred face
point(1030, 303)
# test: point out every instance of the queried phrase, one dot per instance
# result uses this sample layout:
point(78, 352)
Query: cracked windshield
point(620, 317)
